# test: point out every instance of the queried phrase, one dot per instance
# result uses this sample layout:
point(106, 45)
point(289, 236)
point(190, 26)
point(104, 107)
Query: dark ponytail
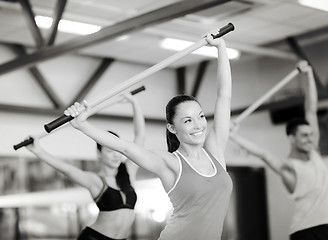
point(123, 179)
point(171, 139)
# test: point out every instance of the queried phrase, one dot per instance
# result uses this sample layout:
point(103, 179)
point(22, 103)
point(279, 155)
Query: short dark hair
point(99, 147)
point(293, 124)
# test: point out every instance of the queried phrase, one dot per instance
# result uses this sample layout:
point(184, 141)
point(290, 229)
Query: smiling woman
point(193, 170)
point(184, 114)
point(111, 188)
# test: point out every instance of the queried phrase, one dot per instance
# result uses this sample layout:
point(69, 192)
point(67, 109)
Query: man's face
point(303, 138)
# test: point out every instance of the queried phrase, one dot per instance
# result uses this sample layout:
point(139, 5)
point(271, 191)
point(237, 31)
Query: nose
point(198, 124)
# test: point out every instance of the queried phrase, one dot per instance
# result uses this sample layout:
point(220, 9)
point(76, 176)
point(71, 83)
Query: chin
point(199, 142)
point(305, 150)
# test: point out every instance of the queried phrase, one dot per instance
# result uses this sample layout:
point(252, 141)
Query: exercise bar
point(267, 95)
point(30, 140)
point(137, 78)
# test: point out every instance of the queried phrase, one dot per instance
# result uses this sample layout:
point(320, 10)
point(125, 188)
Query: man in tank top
point(303, 172)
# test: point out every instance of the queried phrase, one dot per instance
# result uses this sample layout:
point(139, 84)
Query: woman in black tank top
point(111, 188)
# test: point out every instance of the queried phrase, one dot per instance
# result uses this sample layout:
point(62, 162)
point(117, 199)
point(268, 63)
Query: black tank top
point(110, 199)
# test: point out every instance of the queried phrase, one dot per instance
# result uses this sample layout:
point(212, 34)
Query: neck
point(108, 172)
point(300, 155)
point(194, 151)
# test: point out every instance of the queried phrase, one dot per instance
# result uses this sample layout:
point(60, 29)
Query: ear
point(291, 138)
point(171, 128)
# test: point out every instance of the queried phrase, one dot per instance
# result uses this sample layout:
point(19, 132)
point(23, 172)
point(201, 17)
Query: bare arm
point(283, 169)
point(258, 151)
point(146, 159)
point(311, 103)
point(161, 163)
point(86, 179)
point(218, 136)
point(139, 128)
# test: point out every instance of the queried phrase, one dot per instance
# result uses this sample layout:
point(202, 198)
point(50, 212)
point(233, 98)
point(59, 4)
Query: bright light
point(67, 26)
point(43, 22)
point(152, 199)
point(318, 4)
point(93, 209)
point(122, 38)
point(159, 216)
point(178, 45)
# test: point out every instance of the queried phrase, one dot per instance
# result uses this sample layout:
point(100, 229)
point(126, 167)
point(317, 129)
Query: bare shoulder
point(93, 178)
point(287, 166)
point(169, 170)
point(91, 181)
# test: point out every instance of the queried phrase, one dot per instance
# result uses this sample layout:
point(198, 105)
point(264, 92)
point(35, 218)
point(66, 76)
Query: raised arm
point(136, 153)
point(139, 129)
point(83, 178)
point(139, 126)
point(311, 101)
point(218, 136)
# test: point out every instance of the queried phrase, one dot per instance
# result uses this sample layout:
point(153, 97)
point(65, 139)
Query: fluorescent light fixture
point(178, 45)
point(67, 26)
point(318, 4)
point(122, 38)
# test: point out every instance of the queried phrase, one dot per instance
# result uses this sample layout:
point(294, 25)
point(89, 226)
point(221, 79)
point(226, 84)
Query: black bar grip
point(57, 123)
point(24, 143)
point(224, 30)
point(142, 88)
point(64, 119)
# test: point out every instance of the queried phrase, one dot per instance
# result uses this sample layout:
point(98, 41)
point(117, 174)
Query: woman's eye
point(202, 116)
point(187, 121)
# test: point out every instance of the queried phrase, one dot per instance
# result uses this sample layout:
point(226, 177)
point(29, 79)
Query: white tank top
point(310, 194)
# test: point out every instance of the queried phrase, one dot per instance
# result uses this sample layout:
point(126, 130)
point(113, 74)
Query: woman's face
point(111, 158)
point(189, 123)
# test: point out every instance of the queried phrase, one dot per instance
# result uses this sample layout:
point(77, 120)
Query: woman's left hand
point(214, 41)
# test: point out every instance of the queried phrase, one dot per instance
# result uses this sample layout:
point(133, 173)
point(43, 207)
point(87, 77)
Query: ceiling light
point(318, 4)
point(67, 26)
point(178, 45)
point(122, 38)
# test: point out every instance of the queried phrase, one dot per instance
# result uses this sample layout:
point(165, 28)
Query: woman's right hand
point(80, 113)
point(35, 146)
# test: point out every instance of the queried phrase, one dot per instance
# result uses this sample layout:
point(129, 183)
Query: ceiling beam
point(280, 104)
point(93, 80)
point(160, 15)
point(46, 87)
point(58, 112)
point(59, 10)
point(29, 15)
point(20, 51)
point(181, 80)
point(293, 44)
point(247, 48)
point(200, 76)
